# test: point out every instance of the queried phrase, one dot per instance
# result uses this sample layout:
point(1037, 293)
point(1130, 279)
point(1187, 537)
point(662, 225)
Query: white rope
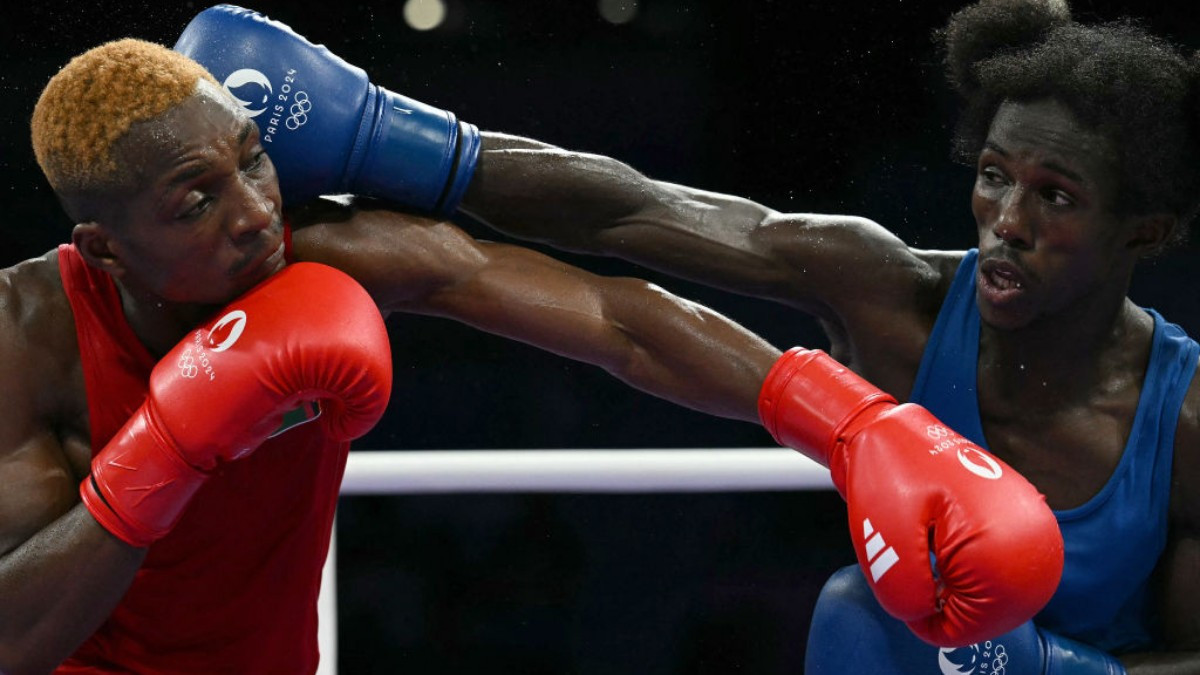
point(611, 471)
point(682, 470)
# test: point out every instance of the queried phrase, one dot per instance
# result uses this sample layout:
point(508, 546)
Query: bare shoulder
point(36, 321)
point(43, 447)
point(936, 270)
point(837, 264)
point(37, 337)
point(929, 274)
point(881, 332)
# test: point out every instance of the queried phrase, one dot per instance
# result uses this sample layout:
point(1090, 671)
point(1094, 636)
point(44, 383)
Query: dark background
point(803, 106)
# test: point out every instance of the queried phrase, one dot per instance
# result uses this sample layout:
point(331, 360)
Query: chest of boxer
point(1069, 454)
point(1115, 527)
point(234, 584)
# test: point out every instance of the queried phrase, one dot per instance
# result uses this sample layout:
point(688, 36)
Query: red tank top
point(233, 588)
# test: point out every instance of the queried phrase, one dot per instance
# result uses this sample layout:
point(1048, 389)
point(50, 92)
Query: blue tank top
point(1113, 541)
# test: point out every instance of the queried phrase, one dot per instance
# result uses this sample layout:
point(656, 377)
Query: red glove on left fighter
point(914, 488)
point(309, 333)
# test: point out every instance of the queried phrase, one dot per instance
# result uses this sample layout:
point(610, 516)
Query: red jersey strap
point(116, 365)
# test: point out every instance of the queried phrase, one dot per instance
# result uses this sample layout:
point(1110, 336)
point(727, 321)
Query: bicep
point(524, 295)
point(594, 204)
point(38, 480)
point(400, 259)
point(412, 264)
point(39, 485)
point(1179, 568)
point(821, 264)
point(649, 338)
point(1181, 593)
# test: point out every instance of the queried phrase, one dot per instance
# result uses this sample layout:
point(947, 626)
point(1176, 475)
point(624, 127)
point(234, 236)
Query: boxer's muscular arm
point(1179, 568)
point(594, 204)
point(60, 572)
point(652, 340)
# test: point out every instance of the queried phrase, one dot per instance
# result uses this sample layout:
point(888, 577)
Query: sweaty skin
point(1063, 350)
point(203, 224)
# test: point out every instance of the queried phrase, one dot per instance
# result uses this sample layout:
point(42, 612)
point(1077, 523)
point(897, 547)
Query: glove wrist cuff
point(412, 153)
point(809, 401)
point(138, 489)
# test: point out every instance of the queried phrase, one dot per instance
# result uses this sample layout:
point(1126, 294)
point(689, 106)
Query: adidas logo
point(879, 554)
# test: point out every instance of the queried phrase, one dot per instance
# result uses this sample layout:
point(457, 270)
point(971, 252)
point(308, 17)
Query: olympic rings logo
point(301, 104)
point(936, 431)
point(187, 366)
point(1001, 660)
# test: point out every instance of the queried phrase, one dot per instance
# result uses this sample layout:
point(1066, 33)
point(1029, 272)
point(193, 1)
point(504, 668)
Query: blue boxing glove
point(851, 633)
point(325, 126)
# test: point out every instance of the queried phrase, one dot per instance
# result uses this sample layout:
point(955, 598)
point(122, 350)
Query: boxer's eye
point(992, 175)
point(257, 161)
point(1057, 197)
point(196, 209)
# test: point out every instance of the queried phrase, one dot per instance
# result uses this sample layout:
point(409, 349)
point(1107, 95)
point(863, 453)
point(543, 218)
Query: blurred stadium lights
point(617, 11)
point(424, 15)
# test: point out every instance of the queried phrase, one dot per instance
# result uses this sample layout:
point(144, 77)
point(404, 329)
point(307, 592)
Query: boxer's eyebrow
point(1051, 164)
point(245, 132)
point(196, 169)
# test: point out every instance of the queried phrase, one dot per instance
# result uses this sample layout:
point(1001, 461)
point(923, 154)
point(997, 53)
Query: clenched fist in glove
point(952, 541)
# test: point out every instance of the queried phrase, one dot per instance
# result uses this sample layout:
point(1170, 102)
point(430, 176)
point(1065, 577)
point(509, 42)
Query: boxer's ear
point(94, 243)
point(1150, 234)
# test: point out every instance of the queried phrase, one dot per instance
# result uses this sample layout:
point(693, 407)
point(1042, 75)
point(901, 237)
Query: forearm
point(537, 191)
point(493, 140)
point(597, 205)
point(649, 339)
point(687, 353)
point(58, 587)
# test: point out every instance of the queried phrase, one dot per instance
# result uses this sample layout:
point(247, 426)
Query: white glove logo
point(978, 463)
point(238, 318)
point(243, 77)
point(880, 556)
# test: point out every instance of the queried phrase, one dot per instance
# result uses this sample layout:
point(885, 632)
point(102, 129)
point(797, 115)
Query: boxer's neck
point(1063, 361)
point(160, 324)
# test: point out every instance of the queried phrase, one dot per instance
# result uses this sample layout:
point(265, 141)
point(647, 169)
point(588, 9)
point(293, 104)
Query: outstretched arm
point(650, 339)
point(687, 354)
point(854, 275)
point(594, 204)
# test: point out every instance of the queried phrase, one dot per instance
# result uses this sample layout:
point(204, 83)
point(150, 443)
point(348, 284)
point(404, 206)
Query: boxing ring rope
point(566, 471)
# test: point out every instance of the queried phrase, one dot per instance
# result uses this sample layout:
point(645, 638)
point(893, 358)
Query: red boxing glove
point(914, 488)
point(308, 333)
